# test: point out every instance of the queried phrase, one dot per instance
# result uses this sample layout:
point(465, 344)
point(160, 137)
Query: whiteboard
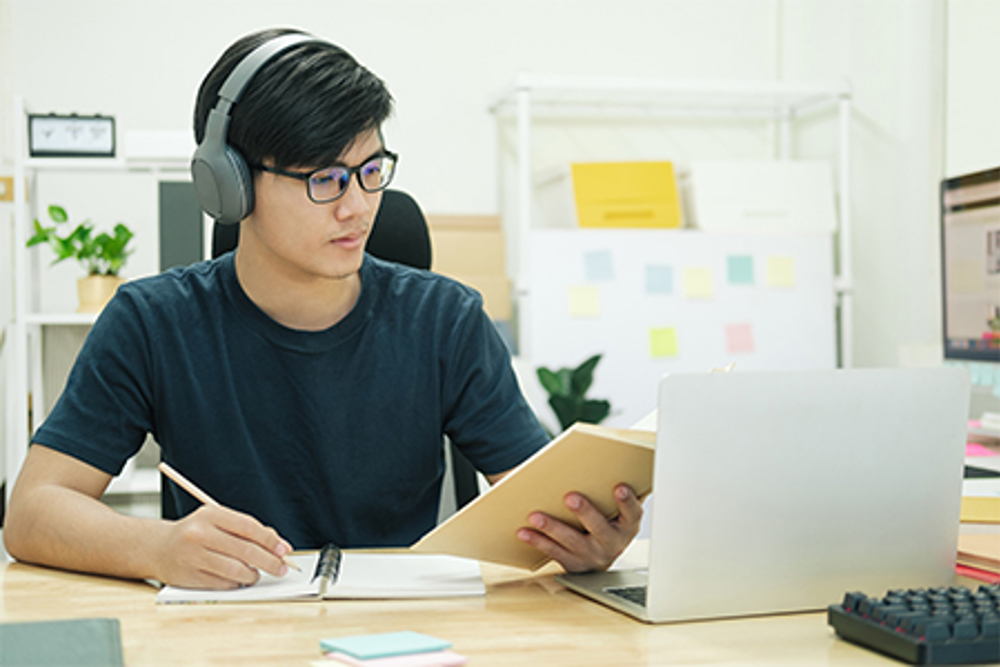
point(659, 301)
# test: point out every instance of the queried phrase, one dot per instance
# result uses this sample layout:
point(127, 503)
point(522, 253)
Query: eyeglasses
point(330, 184)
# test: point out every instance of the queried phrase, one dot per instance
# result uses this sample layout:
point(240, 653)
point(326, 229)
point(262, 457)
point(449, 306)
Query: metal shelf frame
point(537, 96)
point(24, 375)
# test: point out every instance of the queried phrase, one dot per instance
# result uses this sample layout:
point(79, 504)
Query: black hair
point(304, 107)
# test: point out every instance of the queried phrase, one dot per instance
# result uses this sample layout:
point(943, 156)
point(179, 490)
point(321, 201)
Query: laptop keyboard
point(634, 594)
point(936, 626)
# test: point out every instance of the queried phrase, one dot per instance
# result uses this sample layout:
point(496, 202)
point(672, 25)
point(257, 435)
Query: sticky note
point(432, 659)
point(740, 269)
point(975, 449)
point(598, 266)
point(781, 271)
point(659, 279)
point(584, 301)
point(739, 337)
point(662, 342)
point(366, 647)
point(698, 282)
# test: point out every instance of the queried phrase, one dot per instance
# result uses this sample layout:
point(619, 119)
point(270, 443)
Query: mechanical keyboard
point(935, 626)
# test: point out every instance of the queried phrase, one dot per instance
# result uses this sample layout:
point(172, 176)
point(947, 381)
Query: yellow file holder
point(626, 194)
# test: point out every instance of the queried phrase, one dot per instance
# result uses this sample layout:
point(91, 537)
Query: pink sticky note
point(739, 337)
point(975, 449)
point(432, 659)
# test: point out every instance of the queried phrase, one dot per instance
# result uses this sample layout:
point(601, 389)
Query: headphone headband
point(220, 175)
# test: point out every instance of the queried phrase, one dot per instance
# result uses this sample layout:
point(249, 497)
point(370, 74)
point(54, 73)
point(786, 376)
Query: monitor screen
point(970, 251)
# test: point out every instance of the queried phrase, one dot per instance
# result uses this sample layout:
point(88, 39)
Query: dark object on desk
point(85, 641)
point(399, 234)
point(973, 472)
point(936, 626)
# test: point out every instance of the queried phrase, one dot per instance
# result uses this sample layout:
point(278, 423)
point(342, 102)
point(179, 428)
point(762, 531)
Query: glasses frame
point(306, 176)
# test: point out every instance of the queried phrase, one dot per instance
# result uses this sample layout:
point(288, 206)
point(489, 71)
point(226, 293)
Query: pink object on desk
point(432, 659)
point(975, 449)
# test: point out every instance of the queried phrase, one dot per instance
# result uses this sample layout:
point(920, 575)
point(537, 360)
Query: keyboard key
point(934, 631)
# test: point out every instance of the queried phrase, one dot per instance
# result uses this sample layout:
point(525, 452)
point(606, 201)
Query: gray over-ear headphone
point(222, 180)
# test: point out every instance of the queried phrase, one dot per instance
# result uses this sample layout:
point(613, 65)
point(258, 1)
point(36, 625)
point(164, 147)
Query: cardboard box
point(467, 251)
point(471, 250)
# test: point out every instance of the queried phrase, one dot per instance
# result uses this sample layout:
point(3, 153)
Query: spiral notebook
point(335, 574)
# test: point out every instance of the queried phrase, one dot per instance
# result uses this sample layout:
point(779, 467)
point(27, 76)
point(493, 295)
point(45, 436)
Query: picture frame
point(72, 135)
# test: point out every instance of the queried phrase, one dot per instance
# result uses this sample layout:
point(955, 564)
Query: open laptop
point(780, 491)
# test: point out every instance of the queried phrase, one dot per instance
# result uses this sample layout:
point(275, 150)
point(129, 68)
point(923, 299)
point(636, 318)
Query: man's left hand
point(600, 541)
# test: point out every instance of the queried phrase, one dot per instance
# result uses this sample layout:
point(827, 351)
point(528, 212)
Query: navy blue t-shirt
point(327, 436)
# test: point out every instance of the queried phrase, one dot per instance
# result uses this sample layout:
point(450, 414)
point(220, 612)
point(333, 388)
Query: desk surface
point(523, 620)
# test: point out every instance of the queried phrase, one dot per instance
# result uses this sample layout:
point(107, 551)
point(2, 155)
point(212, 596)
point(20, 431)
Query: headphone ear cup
point(222, 182)
point(238, 195)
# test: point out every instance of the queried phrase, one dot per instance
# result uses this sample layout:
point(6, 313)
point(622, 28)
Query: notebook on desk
point(779, 491)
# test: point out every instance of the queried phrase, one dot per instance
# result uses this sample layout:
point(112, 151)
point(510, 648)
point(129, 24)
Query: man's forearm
point(61, 527)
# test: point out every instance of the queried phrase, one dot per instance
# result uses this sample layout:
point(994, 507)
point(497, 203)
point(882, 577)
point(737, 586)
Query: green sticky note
point(663, 342)
point(740, 269)
point(384, 645)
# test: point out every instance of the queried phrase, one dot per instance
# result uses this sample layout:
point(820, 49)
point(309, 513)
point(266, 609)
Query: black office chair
point(399, 234)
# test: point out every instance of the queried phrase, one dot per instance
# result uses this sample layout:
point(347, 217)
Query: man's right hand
point(219, 548)
point(55, 518)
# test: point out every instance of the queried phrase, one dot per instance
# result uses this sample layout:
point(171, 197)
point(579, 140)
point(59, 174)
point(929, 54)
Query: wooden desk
point(523, 620)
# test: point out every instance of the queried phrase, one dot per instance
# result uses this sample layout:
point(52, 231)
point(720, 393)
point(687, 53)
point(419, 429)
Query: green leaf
point(583, 376)
point(567, 410)
point(594, 411)
point(550, 381)
point(58, 213)
point(566, 381)
point(41, 234)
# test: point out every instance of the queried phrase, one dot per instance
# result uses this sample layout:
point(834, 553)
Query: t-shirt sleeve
point(486, 415)
point(103, 415)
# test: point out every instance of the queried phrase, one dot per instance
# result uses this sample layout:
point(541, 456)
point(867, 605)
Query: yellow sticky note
point(584, 301)
point(781, 272)
point(698, 282)
point(663, 342)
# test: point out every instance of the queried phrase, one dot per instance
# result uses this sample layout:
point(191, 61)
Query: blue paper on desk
point(384, 645)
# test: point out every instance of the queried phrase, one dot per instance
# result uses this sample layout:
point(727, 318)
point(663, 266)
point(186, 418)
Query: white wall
point(446, 59)
point(973, 86)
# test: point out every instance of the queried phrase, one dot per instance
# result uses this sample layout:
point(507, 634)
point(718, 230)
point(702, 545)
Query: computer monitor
point(970, 251)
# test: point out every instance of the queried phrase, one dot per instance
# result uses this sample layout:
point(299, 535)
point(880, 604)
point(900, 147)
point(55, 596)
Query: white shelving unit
point(25, 377)
point(534, 97)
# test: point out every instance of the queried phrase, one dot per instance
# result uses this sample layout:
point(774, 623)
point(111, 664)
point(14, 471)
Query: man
point(301, 383)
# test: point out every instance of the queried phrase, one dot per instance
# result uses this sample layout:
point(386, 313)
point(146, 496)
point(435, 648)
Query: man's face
point(306, 240)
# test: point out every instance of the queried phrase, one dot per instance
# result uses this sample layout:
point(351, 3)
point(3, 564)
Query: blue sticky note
point(598, 266)
point(384, 645)
point(659, 279)
point(740, 269)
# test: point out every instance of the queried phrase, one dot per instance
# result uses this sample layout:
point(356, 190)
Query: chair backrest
point(399, 234)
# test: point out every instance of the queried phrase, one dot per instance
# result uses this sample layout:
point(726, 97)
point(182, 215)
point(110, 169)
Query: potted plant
point(101, 255)
point(567, 389)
